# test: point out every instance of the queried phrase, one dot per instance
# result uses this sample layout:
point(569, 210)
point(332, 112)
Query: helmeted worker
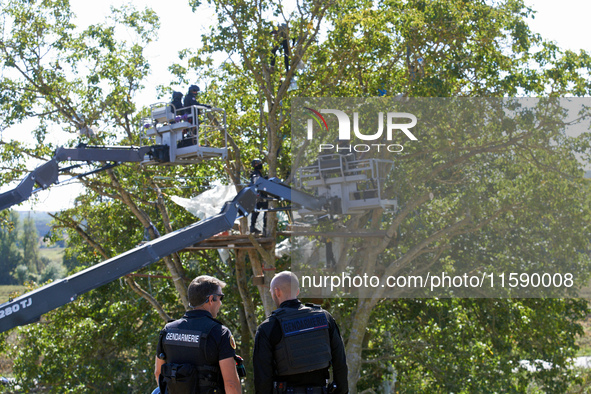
point(295, 346)
point(190, 100)
point(196, 354)
point(257, 167)
point(191, 97)
point(177, 101)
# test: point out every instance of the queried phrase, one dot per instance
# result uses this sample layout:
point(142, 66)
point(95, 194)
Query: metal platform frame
point(357, 183)
point(189, 132)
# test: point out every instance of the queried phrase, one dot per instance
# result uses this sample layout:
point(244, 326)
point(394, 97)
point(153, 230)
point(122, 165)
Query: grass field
point(6, 291)
point(53, 254)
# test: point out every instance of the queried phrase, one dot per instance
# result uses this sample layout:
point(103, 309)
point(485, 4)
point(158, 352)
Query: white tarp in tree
point(208, 204)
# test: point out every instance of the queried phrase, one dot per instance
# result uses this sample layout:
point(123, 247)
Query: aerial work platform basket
point(357, 185)
point(193, 134)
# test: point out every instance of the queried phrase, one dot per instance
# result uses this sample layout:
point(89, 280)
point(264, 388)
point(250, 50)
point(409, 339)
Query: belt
point(305, 390)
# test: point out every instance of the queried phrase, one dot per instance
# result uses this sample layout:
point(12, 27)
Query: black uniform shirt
point(254, 175)
point(268, 336)
point(190, 100)
point(220, 342)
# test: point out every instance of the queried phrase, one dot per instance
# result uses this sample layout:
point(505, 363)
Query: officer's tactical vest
point(305, 342)
point(186, 370)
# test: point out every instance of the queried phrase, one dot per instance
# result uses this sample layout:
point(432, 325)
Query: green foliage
point(499, 178)
point(53, 270)
point(22, 274)
point(11, 255)
point(10, 291)
point(105, 341)
point(101, 343)
point(483, 343)
point(30, 243)
point(22, 260)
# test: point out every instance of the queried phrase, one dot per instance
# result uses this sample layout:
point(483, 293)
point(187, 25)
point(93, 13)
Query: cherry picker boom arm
point(29, 307)
point(47, 174)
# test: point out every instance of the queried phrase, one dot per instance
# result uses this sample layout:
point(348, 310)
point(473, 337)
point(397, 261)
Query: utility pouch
point(179, 378)
point(240, 366)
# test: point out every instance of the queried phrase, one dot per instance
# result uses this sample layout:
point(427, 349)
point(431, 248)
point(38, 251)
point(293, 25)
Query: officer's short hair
point(288, 282)
point(203, 286)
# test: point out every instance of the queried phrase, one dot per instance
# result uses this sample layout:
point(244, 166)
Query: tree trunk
point(354, 345)
point(247, 302)
point(177, 274)
point(267, 272)
point(245, 350)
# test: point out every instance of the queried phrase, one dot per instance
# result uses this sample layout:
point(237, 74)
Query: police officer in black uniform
point(296, 345)
point(177, 102)
point(191, 97)
point(196, 354)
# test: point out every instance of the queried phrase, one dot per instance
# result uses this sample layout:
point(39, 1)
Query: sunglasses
point(219, 295)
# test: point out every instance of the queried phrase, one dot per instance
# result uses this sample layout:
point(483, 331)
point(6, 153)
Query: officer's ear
point(278, 292)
